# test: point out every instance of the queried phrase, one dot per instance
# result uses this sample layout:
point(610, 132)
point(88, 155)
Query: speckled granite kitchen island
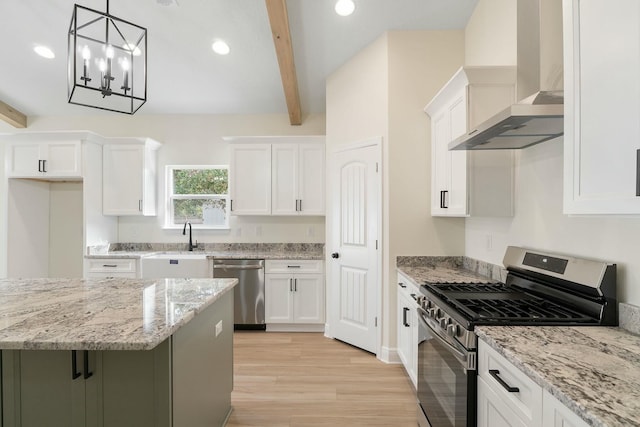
point(116, 352)
point(594, 371)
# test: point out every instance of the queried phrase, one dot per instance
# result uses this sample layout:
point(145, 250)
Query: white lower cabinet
point(507, 397)
point(294, 295)
point(407, 345)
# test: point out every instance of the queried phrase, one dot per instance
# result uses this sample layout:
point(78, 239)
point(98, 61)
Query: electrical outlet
point(218, 328)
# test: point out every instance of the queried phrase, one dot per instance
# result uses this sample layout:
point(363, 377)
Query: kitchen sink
point(175, 265)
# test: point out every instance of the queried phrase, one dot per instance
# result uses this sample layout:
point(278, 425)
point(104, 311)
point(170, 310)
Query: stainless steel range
point(540, 289)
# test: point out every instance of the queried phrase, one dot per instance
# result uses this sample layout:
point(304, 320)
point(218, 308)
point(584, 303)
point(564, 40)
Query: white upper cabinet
point(129, 177)
point(470, 183)
point(297, 186)
point(250, 179)
point(277, 175)
point(602, 107)
point(45, 159)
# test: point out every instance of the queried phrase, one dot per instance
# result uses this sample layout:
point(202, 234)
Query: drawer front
point(408, 287)
point(526, 403)
point(294, 266)
point(113, 265)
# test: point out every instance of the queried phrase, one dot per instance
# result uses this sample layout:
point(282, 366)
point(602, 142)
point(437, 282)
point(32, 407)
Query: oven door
point(446, 378)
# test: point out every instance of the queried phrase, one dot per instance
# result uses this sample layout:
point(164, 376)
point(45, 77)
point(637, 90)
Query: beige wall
point(382, 92)
point(490, 36)
point(539, 221)
point(197, 139)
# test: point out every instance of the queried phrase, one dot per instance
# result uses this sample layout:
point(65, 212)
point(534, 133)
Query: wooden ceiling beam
point(12, 116)
point(279, 20)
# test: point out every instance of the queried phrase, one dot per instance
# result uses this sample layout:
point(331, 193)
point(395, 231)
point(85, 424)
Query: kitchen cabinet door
point(556, 414)
point(407, 345)
point(298, 179)
point(278, 298)
point(45, 160)
point(470, 183)
point(308, 298)
point(285, 186)
point(129, 178)
point(311, 179)
point(602, 107)
point(250, 179)
point(493, 411)
point(48, 393)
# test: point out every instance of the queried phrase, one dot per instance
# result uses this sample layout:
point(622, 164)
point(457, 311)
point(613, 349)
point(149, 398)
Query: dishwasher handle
point(236, 267)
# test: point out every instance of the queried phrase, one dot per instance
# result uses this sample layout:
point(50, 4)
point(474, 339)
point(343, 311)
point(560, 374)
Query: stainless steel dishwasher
point(249, 293)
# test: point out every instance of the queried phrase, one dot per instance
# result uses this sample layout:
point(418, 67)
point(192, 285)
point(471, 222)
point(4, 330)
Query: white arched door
point(354, 247)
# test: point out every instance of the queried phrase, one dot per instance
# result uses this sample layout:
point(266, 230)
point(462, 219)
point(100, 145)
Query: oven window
point(446, 391)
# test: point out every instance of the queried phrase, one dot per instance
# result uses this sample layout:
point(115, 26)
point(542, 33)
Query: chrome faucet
point(184, 232)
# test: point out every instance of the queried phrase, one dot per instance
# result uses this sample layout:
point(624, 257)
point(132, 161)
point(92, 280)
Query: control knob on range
point(433, 312)
point(452, 330)
point(444, 322)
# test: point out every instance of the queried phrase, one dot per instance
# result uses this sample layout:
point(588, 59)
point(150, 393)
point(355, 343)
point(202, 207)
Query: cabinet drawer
point(408, 287)
point(294, 266)
point(104, 265)
point(526, 403)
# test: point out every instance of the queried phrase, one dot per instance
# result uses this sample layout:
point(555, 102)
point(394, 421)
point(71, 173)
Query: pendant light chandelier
point(107, 62)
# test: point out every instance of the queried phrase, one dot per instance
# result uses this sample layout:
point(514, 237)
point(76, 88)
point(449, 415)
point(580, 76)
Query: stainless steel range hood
point(538, 117)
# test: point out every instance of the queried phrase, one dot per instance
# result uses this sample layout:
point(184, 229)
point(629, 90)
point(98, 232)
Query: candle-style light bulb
point(102, 65)
point(86, 56)
point(106, 88)
point(125, 74)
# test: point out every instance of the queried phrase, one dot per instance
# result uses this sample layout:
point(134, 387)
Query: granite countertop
point(595, 371)
point(446, 269)
point(217, 254)
point(100, 314)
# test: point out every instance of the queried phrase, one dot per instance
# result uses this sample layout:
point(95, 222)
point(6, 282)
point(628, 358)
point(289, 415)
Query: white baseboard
point(389, 355)
point(294, 327)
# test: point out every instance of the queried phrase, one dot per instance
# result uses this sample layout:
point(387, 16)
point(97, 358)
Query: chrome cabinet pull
point(496, 374)
point(109, 265)
point(405, 310)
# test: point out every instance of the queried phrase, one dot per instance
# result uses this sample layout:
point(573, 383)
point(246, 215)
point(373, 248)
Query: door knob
point(335, 255)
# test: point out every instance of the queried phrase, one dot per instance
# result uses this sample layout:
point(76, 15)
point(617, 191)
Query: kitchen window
point(199, 195)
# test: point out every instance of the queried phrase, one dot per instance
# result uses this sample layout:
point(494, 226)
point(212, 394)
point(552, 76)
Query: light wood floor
point(307, 380)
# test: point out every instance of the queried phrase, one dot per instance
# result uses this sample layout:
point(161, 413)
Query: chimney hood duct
point(538, 117)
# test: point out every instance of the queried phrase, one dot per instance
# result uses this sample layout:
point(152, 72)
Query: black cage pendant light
point(107, 63)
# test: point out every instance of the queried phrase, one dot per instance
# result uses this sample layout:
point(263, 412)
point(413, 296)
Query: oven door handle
point(463, 357)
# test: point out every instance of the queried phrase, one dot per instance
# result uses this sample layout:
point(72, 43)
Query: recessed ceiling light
point(44, 51)
point(220, 47)
point(345, 7)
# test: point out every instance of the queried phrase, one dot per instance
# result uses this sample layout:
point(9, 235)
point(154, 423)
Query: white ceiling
point(184, 75)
